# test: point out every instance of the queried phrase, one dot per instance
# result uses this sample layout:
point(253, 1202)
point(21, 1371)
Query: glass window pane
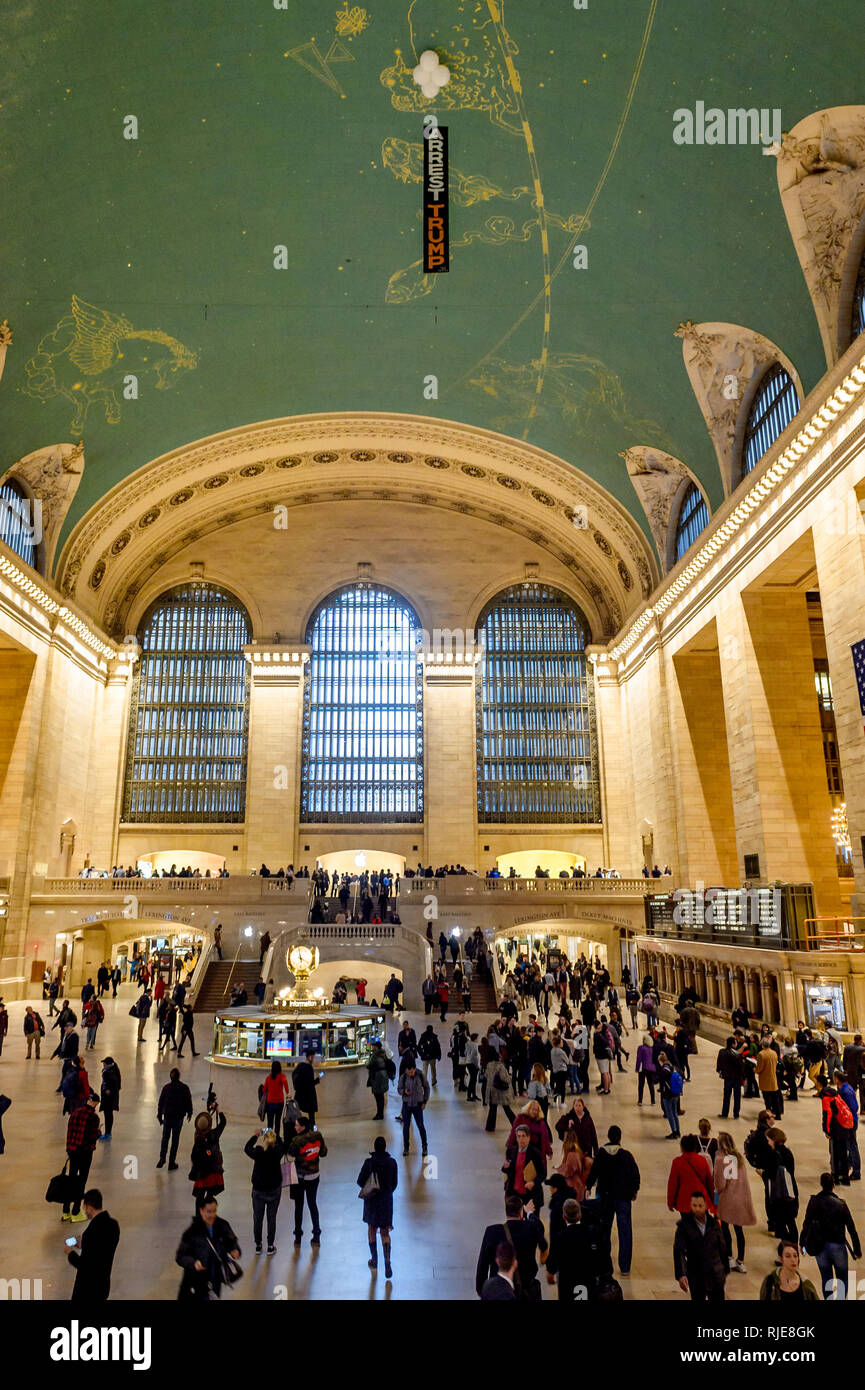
point(773, 407)
point(693, 518)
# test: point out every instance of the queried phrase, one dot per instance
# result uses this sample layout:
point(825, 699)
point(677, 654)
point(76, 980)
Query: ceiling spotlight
point(431, 75)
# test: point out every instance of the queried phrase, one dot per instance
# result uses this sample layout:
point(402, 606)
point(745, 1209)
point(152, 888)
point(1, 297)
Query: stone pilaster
point(275, 749)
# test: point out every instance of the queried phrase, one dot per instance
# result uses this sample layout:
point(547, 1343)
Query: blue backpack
point(676, 1083)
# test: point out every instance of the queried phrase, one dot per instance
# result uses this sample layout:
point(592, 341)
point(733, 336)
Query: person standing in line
point(93, 1258)
point(82, 1133)
point(217, 939)
point(429, 1052)
point(266, 1150)
point(700, 1261)
point(735, 1204)
point(187, 1028)
point(175, 1106)
point(617, 1178)
point(784, 1283)
point(824, 1235)
point(203, 1251)
point(377, 1181)
point(109, 1096)
point(415, 1094)
point(34, 1031)
point(647, 1072)
point(307, 1148)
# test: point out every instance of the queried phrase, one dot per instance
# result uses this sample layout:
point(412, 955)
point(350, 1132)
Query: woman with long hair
point(266, 1150)
point(274, 1093)
point(735, 1204)
point(575, 1166)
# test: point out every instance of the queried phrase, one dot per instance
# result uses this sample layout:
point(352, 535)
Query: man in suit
point(500, 1288)
point(576, 1258)
point(528, 1240)
point(700, 1257)
point(93, 1260)
point(525, 1170)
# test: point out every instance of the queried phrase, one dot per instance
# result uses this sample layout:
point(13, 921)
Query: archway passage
point(526, 862)
point(359, 861)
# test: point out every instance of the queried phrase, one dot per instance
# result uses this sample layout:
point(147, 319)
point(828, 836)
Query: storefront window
point(825, 1001)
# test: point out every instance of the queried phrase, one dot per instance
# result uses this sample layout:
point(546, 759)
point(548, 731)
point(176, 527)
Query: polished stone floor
point(438, 1218)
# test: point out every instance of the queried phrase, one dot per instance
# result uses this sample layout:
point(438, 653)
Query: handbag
point(231, 1270)
point(262, 1106)
point(288, 1168)
point(62, 1188)
point(371, 1185)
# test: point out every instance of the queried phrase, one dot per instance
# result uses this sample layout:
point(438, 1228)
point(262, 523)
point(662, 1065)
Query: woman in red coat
point(532, 1119)
point(690, 1175)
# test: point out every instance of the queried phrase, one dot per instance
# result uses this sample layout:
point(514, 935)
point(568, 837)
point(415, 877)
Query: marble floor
point(438, 1219)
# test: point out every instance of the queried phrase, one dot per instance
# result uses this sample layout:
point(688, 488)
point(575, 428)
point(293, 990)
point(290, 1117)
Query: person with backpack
point(527, 1237)
point(670, 1084)
point(616, 1177)
point(429, 1050)
point(824, 1235)
point(847, 1093)
point(838, 1123)
point(690, 1172)
point(782, 1192)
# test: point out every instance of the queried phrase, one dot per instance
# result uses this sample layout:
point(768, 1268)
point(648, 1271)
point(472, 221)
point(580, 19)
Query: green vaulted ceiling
point(300, 126)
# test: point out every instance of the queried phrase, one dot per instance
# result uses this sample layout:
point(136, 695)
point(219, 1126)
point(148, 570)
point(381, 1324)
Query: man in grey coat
point(414, 1090)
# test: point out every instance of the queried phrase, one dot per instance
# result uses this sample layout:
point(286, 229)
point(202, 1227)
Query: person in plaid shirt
point(81, 1135)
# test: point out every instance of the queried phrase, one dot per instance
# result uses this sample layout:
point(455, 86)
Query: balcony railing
point(467, 885)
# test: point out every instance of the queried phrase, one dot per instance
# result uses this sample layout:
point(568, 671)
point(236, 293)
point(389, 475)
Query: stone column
point(108, 760)
point(767, 1007)
point(752, 993)
point(275, 748)
point(707, 828)
point(621, 839)
point(450, 759)
point(780, 797)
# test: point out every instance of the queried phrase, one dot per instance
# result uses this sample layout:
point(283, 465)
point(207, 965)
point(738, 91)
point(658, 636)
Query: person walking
point(824, 1235)
point(274, 1094)
point(82, 1133)
point(206, 1167)
point(525, 1169)
point(499, 1093)
point(647, 1072)
point(578, 1121)
point(93, 1258)
point(34, 1031)
point(528, 1240)
point(848, 1093)
point(576, 1261)
point(187, 1028)
point(785, 1284)
point(307, 1148)
point(116, 977)
point(175, 1106)
point(217, 939)
point(53, 991)
point(690, 1172)
point(838, 1123)
point(472, 1059)
point(377, 1181)
point(782, 1192)
point(730, 1066)
point(266, 1150)
point(205, 1249)
point(415, 1094)
point(670, 1086)
point(109, 1096)
point(305, 1082)
point(429, 1052)
point(4, 1025)
point(141, 1010)
point(767, 1079)
point(378, 1074)
point(616, 1177)
point(700, 1261)
point(735, 1204)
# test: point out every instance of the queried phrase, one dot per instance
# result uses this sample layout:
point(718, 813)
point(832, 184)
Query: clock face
point(301, 958)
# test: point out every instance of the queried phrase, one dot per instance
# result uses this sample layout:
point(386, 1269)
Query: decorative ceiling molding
point(725, 363)
point(52, 476)
point(659, 481)
point(5, 342)
point(528, 472)
point(821, 179)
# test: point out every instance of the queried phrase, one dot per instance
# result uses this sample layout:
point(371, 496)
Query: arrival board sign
point(436, 252)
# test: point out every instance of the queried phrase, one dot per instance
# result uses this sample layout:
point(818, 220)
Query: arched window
point(189, 718)
point(773, 407)
point(693, 518)
point(20, 522)
point(857, 317)
point(363, 710)
point(537, 750)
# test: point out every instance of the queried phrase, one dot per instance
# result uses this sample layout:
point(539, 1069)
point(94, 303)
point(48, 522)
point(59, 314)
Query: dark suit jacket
point(94, 1260)
point(528, 1239)
point(702, 1258)
point(497, 1290)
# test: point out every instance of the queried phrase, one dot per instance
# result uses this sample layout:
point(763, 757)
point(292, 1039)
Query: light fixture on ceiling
point(431, 75)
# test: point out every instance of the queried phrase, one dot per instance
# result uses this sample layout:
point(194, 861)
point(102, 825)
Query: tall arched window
point(189, 719)
point(20, 522)
point(693, 518)
point(537, 751)
point(363, 710)
point(857, 317)
point(775, 404)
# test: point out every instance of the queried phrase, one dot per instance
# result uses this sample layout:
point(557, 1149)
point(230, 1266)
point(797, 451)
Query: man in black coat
point(93, 1261)
point(202, 1251)
point(500, 1288)
point(575, 1257)
point(617, 1177)
point(175, 1106)
point(700, 1260)
point(730, 1066)
point(528, 1240)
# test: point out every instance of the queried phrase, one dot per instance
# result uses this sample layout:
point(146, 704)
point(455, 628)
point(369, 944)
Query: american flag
point(858, 650)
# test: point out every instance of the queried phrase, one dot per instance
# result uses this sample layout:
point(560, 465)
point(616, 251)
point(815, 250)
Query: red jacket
point(690, 1175)
point(158, 990)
